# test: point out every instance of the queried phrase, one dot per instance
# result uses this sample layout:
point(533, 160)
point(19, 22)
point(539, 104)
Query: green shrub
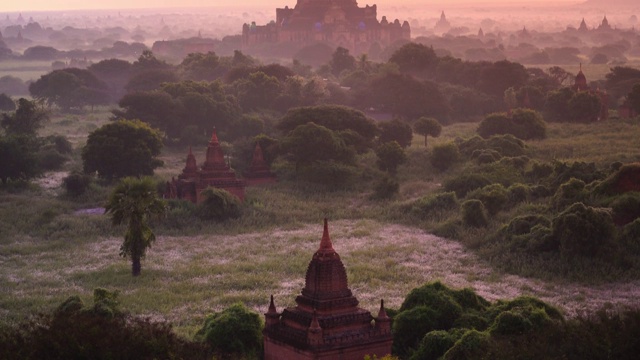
point(521, 225)
point(510, 323)
point(630, 237)
point(518, 162)
point(487, 156)
point(494, 124)
point(625, 179)
point(587, 172)
point(385, 188)
point(493, 197)
point(626, 208)
point(507, 145)
point(571, 192)
point(444, 156)
point(518, 193)
point(236, 330)
point(474, 214)
point(522, 123)
point(409, 326)
point(463, 184)
point(468, 146)
point(430, 204)
point(50, 159)
point(583, 230)
point(539, 171)
point(77, 183)
point(332, 174)
point(472, 345)
point(102, 331)
point(218, 204)
point(433, 345)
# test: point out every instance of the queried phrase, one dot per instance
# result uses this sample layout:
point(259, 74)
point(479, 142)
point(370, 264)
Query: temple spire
point(382, 313)
point(214, 136)
point(325, 243)
point(272, 306)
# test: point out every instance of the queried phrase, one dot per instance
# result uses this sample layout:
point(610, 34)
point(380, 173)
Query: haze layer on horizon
point(59, 5)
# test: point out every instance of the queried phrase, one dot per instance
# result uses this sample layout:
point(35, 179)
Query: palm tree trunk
point(136, 267)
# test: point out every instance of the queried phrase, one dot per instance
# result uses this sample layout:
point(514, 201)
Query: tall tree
point(133, 202)
point(26, 120)
point(634, 98)
point(426, 126)
point(122, 148)
point(341, 60)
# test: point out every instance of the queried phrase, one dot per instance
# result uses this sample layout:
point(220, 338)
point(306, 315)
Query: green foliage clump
point(584, 231)
point(443, 156)
point(77, 183)
point(122, 148)
point(428, 205)
point(218, 204)
point(472, 345)
point(587, 172)
point(629, 237)
point(432, 306)
point(427, 126)
point(524, 124)
point(390, 156)
point(518, 193)
point(474, 213)
point(507, 145)
point(626, 208)
point(433, 345)
point(102, 331)
point(493, 197)
point(624, 179)
point(234, 331)
point(395, 130)
point(573, 191)
point(335, 118)
point(385, 188)
point(465, 183)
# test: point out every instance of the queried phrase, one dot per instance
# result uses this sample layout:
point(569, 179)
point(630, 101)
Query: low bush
point(494, 197)
point(443, 156)
point(234, 331)
point(474, 214)
point(462, 184)
point(385, 188)
point(102, 331)
point(218, 204)
point(626, 208)
point(584, 231)
point(77, 183)
point(439, 202)
point(573, 191)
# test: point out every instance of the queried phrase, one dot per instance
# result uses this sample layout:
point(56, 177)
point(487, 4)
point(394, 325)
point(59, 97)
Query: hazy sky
point(41, 5)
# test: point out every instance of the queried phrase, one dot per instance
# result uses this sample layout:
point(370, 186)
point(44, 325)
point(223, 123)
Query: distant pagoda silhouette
point(215, 172)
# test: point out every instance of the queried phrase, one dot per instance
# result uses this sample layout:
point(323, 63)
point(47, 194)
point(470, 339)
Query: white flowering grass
point(185, 278)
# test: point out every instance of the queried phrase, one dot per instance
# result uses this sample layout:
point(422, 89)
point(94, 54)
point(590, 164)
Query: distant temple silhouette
point(337, 22)
point(580, 84)
point(326, 323)
point(216, 172)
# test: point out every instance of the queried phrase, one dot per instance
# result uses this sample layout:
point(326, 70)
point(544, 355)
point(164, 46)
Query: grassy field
point(48, 252)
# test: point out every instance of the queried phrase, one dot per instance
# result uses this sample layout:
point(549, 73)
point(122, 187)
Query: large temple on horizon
point(336, 22)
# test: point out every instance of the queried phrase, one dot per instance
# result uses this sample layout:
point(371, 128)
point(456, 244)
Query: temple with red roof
point(259, 171)
point(215, 172)
point(326, 323)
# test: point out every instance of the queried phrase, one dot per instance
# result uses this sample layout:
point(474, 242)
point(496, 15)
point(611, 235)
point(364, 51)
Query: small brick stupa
point(327, 322)
point(259, 171)
point(215, 172)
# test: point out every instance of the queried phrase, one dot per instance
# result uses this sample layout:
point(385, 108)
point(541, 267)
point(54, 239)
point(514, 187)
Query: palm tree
point(133, 201)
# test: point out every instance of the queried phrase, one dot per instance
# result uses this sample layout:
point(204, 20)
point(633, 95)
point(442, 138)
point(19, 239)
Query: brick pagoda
point(259, 171)
point(215, 172)
point(326, 323)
